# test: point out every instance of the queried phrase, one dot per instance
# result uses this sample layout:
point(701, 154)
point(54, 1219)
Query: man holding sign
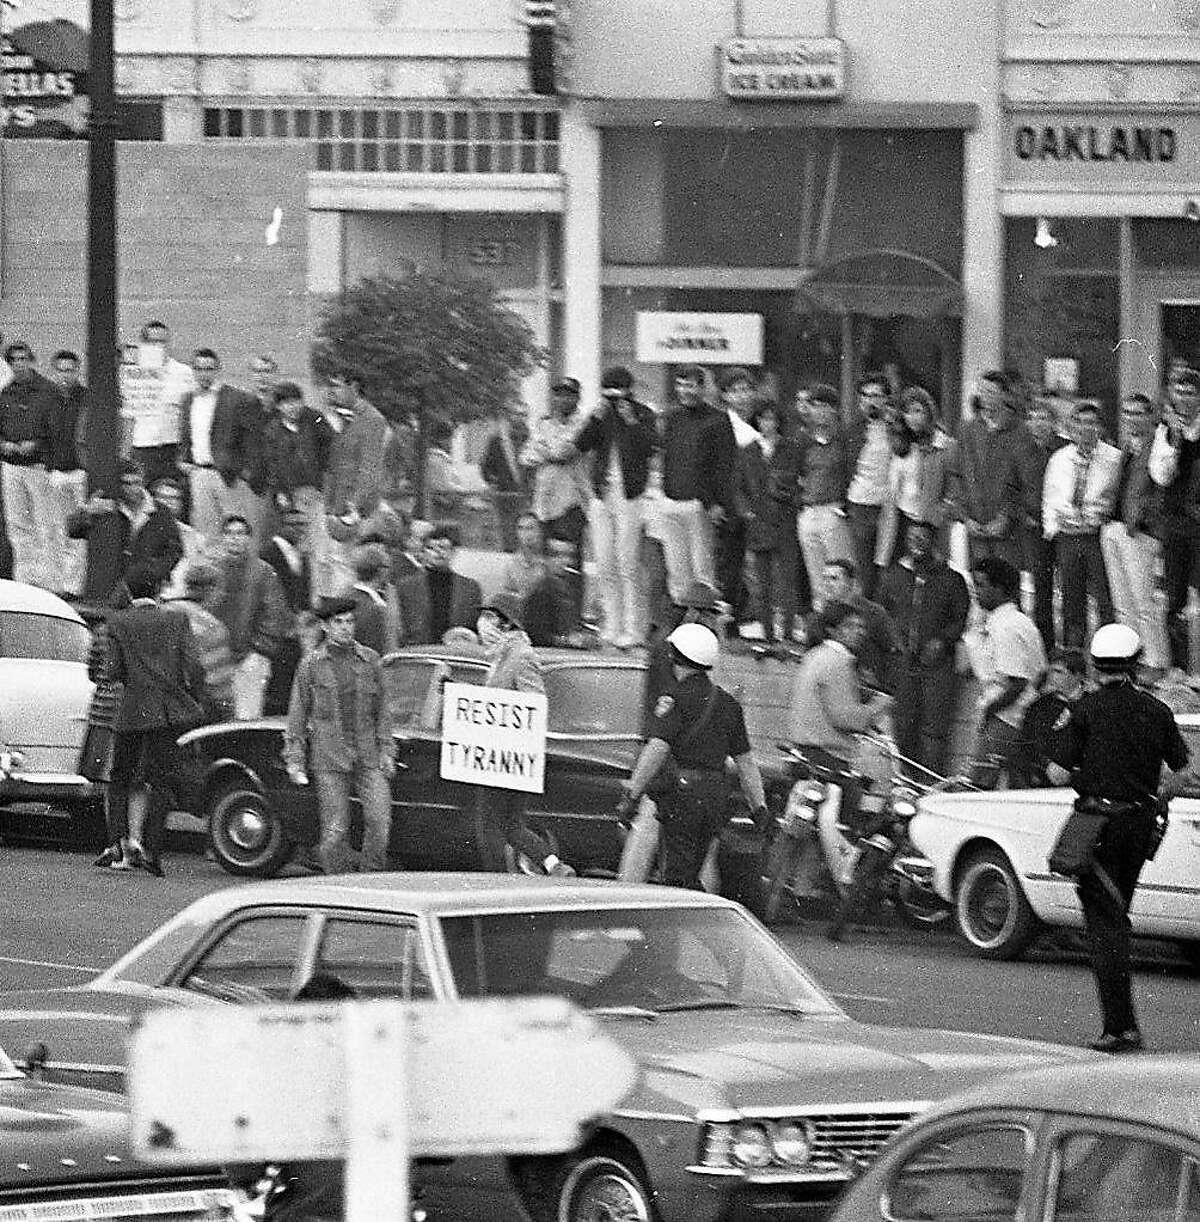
point(494, 736)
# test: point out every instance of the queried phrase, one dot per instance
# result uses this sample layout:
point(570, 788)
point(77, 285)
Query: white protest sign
point(143, 392)
point(493, 736)
point(377, 1083)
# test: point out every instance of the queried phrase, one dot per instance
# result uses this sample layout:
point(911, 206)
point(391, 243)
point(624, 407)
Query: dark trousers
point(283, 670)
point(1039, 563)
point(691, 817)
point(1081, 572)
point(924, 712)
point(731, 566)
point(499, 822)
point(1181, 573)
point(157, 462)
point(150, 758)
point(864, 531)
point(1121, 853)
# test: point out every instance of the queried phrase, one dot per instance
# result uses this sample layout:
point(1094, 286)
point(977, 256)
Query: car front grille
point(853, 1138)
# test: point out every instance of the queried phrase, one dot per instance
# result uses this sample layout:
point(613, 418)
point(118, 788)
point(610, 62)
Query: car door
point(432, 819)
point(1167, 899)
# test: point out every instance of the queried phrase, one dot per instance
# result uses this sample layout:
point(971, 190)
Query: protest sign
point(493, 736)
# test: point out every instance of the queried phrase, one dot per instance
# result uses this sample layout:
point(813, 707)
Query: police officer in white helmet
point(692, 732)
point(1114, 747)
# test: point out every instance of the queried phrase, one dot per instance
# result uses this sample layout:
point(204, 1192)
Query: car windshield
point(588, 700)
point(636, 960)
point(26, 635)
point(410, 681)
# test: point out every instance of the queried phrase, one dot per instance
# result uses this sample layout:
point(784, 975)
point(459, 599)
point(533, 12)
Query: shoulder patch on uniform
point(1064, 720)
point(664, 705)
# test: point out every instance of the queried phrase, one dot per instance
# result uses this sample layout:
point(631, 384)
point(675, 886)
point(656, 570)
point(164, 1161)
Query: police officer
point(700, 725)
point(1115, 743)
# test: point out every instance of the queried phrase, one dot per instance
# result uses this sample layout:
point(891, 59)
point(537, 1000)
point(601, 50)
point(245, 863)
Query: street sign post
point(376, 1083)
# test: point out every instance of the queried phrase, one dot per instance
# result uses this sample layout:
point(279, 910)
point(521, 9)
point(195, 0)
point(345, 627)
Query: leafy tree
point(431, 350)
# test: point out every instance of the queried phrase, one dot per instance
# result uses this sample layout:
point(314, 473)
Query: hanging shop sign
point(44, 71)
point(1118, 150)
point(783, 69)
point(668, 338)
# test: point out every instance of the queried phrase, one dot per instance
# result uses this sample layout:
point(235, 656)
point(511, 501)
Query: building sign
point(492, 736)
point(668, 338)
point(44, 66)
point(783, 69)
point(1121, 151)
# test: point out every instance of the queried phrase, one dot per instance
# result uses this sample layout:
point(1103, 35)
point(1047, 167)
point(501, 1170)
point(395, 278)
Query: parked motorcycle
point(817, 849)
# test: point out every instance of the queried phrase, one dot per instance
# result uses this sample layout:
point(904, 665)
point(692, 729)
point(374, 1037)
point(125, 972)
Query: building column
point(983, 226)
point(580, 157)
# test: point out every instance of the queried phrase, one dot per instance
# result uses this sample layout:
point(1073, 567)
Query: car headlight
point(814, 792)
point(904, 804)
point(793, 1142)
point(751, 1146)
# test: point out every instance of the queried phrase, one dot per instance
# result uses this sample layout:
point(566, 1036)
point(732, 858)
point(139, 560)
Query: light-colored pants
point(69, 559)
point(824, 536)
point(616, 542)
point(688, 547)
point(250, 686)
point(213, 501)
point(1131, 562)
point(333, 804)
point(31, 511)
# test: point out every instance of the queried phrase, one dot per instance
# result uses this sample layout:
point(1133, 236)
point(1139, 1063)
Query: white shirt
point(204, 406)
point(1059, 512)
point(1163, 463)
point(743, 434)
point(871, 474)
point(289, 553)
point(1009, 647)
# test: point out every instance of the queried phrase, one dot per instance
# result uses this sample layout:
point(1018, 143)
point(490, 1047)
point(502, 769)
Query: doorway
point(1179, 334)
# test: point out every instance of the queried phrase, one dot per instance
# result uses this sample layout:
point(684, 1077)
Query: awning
point(883, 283)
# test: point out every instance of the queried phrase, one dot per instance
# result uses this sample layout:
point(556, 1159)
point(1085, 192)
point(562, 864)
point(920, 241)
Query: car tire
point(991, 909)
point(603, 1181)
point(246, 837)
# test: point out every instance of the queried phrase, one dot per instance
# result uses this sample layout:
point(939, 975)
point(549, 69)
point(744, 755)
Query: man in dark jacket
point(437, 598)
point(28, 405)
point(929, 603)
point(989, 450)
point(148, 532)
point(220, 432)
point(699, 483)
point(66, 466)
point(284, 553)
point(153, 654)
point(620, 436)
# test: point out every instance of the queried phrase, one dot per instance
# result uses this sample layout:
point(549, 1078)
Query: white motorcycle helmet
point(696, 645)
point(1115, 647)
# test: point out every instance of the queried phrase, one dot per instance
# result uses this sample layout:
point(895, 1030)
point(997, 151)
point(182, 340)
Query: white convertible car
point(989, 854)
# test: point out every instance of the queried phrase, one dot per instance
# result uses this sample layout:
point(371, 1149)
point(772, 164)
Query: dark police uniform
point(1115, 744)
point(703, 725)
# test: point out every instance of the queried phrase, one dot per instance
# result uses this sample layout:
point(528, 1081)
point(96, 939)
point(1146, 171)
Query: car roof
point(1162, 1091)
point(554, 659)
point(433, 894)
point(32, 600)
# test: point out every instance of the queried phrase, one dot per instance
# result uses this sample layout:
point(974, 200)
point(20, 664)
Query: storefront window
point(1062, 301)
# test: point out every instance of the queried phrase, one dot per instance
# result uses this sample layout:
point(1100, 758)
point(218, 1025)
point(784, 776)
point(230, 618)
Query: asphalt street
point(62, 920)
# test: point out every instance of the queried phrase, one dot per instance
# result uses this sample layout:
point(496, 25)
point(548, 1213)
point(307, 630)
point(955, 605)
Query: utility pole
point(104, 418)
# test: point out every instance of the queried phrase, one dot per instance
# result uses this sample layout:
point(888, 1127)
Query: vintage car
point(1048, 1145)
point(64, 1155)
point(756, 1092)
point(256, 817)
point(44, 697)
point(989, 853)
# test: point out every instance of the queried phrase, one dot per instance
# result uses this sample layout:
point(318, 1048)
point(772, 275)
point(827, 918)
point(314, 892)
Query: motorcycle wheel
point(780, 866)
point(919, 907)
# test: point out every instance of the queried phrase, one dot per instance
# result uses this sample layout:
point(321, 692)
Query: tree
point(430, 350)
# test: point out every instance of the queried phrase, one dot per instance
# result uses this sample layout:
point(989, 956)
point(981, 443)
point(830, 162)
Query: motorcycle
point(817, 850)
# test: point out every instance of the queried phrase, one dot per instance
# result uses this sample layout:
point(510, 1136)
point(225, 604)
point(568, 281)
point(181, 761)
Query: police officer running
point(694, 729)
point(1114, 745)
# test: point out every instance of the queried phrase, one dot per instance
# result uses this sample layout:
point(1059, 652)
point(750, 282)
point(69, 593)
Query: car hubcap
point(610, 1198)
point(248, 829)
point(989, 905)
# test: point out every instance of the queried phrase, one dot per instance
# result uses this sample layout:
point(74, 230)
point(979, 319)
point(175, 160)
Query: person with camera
point(692, 733)
point(1114, 747)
